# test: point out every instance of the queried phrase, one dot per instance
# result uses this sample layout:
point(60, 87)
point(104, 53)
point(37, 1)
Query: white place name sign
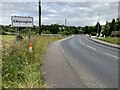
point(19, 21)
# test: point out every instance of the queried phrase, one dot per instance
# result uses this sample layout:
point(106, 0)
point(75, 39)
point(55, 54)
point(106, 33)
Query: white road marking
point(112, 55)
point(95, 49)
point(99, 44)
point(91, 47)
point(79, 40)
point(87, 45)
point(83, 43)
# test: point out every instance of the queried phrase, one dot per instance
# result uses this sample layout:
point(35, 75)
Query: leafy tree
point(106, 29)
point(98, 28)
point(85, 29)
point(74, 30)
point(92, 30)
point(54, 28)
point(112, 27)
point(46, 32)
point(117, 24)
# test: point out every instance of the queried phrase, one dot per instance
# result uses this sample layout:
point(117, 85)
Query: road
point(58, 71)
point(95, 63)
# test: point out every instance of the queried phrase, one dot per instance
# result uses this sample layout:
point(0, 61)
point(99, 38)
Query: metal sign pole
point(29, 34)
point(16, 31)
point(17, 34)
point(30, 42)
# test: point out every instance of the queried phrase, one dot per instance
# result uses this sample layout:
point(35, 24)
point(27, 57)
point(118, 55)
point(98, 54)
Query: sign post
point(30, 42)
point(16, 33)
point(20, 21)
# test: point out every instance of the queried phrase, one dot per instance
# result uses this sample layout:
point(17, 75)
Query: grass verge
point(21, 69)
point(113, 40)
point(7, 38)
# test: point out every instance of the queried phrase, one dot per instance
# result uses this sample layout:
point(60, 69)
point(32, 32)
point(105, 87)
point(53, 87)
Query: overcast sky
point(78, 13)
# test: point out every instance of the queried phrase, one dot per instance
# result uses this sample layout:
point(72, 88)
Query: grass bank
point(113, 40)
point(7, 38)
point(21, 69)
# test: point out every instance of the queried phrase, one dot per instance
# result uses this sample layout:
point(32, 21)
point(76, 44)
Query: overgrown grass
point(21, 69)
point(113, 40)
point(7, 38)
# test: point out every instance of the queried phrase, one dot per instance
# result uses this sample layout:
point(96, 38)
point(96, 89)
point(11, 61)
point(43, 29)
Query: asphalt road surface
point(58, 71)
point(95, 63)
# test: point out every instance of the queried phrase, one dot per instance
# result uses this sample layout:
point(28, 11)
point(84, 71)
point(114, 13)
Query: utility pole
point(65, 22)
point(39, 17)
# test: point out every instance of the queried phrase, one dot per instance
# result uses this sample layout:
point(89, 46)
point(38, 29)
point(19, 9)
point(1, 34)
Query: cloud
point(80, 0)
point(81, 13)
point(76, 13)
point(18, 0)
point(17, 8)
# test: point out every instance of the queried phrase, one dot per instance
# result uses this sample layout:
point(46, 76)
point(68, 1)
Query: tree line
point(109, 29)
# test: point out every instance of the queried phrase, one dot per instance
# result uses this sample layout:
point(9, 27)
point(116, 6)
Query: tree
point(98, 28)
point(46, 32)
point(54, 28)
point(117, 24)
point(85, 29)
point(106, 29)
point(92, 30)
point(112, 27)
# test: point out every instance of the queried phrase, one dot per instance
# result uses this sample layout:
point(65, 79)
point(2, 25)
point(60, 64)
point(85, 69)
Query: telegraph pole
point(65, 22)
point(39, 17)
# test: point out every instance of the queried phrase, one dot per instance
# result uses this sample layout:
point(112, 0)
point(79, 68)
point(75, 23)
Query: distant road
point(95, 63)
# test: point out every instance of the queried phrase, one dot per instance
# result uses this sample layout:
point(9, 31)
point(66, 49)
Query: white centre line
point(87, 45)
point(112, 55)
point(95, 49)
point(91, 47)
point(81, 42)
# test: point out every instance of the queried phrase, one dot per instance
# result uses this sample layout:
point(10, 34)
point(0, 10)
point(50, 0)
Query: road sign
point(19, 21)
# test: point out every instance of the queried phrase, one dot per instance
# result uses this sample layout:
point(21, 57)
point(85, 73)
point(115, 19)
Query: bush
point(46, 32)
point(65, 33)
point(93, 33)
point(2, 32)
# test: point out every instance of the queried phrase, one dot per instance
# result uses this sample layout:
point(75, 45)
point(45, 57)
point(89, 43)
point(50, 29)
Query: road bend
point(95, 63)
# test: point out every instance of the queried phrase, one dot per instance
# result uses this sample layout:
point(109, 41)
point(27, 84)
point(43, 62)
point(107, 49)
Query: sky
point(77, 12)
